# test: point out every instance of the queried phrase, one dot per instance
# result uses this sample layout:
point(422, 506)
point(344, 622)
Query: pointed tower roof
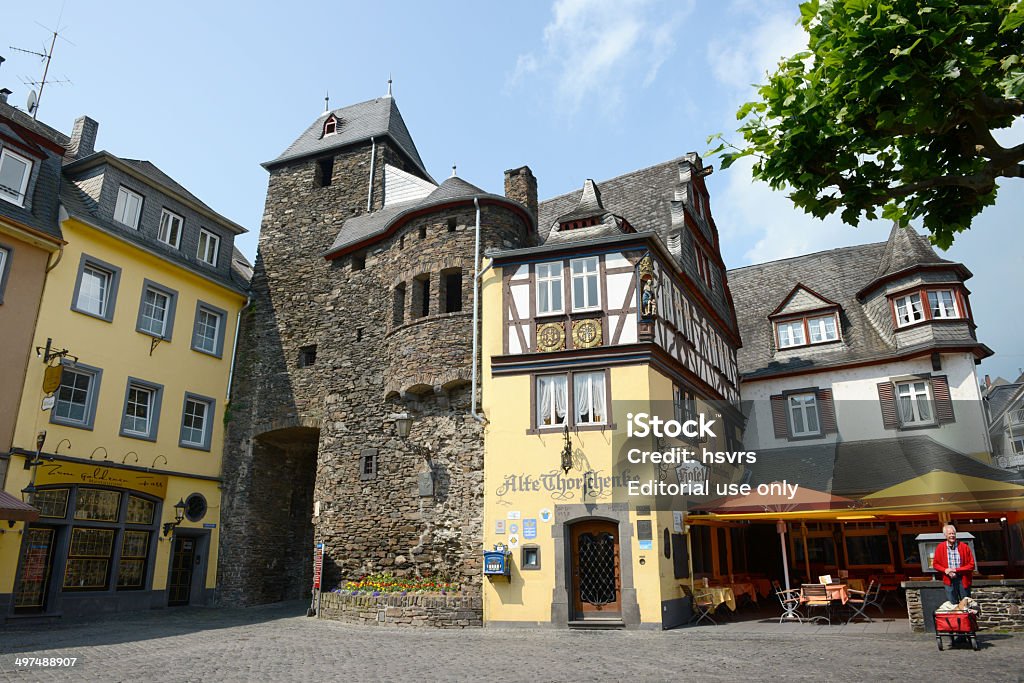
point(355, 123)
point(907, 250)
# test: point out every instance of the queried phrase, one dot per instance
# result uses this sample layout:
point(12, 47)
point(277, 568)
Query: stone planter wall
point(443, 611)
point(1000, 603)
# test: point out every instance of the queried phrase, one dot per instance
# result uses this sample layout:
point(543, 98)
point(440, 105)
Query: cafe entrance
point(596, 570)
point(36, 567)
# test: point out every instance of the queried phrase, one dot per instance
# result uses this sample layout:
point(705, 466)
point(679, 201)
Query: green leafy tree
point(891, 110)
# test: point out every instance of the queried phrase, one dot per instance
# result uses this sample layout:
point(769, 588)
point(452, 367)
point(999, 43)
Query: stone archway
point(268, 541)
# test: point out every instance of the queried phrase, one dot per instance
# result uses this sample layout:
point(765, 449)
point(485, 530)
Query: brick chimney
point(83, 137)
point(521, 186)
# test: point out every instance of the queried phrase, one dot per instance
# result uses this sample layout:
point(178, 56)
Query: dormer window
point(14, 173)
point(909, 310)
point(330, 126)
point(927, 304)
point(942, 304)
point(812, 329)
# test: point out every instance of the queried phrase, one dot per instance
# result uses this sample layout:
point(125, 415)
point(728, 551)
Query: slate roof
point(642, 197)
point(357, 122)
point(838, 275)
point(369, 225)
point(999, 399)
point(149, 169)
point(151, 172)
point(858, 468)
point(77, 204)
point(905, 249)
point(41, 208)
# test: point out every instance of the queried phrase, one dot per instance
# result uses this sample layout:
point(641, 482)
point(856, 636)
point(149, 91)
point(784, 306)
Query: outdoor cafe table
point(741, 589)
point(835, 591)
point(720, 595)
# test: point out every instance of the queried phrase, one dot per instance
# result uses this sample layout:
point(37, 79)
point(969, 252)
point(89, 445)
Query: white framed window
point(208, 330)
point(549, 288)
point(128, 207)
point(914, 402)
point(72, 402)
point(552, 400)
point(703, 265)
point(791, 333)
point(909, 309)
point(138, 411)
point(196, 422)
point(585, 291)
point(94, 292)
point(156, 310)
point(96, 288)
point(822, 329)
point(942, 304)
point(170, 228)
point(803, 415)
point(15, 171)
point(589, 396)
point(209, 247)
point(1017, 445)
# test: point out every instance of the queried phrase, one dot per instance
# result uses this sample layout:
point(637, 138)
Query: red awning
point(13, 509)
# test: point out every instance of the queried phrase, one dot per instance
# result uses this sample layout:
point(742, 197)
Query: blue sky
point(576, 89)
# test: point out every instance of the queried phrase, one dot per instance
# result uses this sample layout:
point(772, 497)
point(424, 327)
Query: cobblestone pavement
point(278, 643)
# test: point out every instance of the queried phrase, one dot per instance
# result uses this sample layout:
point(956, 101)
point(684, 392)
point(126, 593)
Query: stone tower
point(362, 307)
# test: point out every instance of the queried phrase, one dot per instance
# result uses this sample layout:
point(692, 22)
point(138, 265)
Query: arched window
point(330, 126)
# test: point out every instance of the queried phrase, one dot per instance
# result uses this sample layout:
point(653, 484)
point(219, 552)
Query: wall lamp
point(179, 515)
point(403, 424)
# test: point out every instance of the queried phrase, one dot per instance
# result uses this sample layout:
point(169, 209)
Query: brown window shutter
point(826, 412)
point(779, 418)
point(887, 399)
point(943, 401)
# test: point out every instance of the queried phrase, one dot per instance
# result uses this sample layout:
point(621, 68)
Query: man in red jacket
point(955, 561)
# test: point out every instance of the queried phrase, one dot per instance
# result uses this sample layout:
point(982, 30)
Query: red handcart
point(955, 624)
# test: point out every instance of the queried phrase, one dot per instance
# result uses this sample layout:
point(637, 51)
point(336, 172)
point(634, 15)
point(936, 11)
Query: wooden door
point(596, 580)
point(36, 564)
point(179, 583)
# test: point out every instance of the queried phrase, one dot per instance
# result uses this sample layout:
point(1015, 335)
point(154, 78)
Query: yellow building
point(123, 407)
point(601, 322)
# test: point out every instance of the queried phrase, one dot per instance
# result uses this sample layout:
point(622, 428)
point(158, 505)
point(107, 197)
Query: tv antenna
point(45, 56)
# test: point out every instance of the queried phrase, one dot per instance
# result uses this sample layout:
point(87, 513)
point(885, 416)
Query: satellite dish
point(33, 101)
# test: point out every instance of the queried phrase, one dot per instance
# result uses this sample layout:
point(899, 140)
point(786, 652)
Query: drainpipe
point(476, 310)
point(373, 165)
point(234, 345)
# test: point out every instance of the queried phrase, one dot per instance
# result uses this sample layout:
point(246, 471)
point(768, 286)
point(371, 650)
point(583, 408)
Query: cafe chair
point(703, 607)
point(873, 597)
point(790, 601)
point(858, 602)
point(815, 597)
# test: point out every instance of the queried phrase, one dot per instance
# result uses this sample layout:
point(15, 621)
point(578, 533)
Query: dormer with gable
point(805, 318)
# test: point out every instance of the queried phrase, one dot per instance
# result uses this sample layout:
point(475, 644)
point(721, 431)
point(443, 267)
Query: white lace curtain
point(554, 393)
point(588, 390)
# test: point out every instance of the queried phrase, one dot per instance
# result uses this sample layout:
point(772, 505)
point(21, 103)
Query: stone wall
point(403, 610)
point(1000, 604)
point(314, 439)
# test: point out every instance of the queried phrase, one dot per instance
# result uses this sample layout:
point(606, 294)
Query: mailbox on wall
point(927, 543)
point(498, 562)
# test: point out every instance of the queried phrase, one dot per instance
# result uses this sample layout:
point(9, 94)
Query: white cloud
point(597, 48)
point(739, 61)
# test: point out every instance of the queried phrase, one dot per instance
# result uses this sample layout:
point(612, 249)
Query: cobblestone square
point(279, 643)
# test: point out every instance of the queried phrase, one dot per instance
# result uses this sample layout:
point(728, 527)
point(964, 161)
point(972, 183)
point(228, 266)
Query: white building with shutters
point(864, 343)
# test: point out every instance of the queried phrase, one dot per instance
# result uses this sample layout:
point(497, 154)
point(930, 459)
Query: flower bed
point(379, 584)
